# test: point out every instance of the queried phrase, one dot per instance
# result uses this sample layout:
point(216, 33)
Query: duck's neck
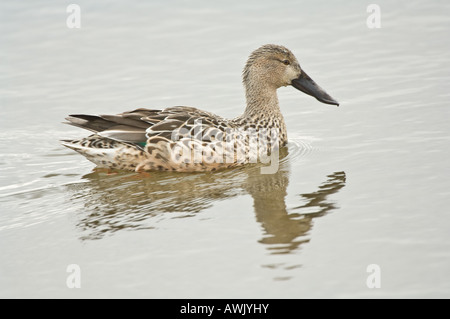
point(261, 102)
point(263, 109)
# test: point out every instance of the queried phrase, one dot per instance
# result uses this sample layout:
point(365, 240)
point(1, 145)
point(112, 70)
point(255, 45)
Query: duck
point(187, 139)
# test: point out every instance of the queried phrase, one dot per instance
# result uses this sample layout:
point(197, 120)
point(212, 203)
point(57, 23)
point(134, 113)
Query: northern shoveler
point(182, 138)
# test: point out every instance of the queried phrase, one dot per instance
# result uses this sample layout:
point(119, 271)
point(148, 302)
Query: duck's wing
point(125, 127)
point(141, 124)
point(183, 121)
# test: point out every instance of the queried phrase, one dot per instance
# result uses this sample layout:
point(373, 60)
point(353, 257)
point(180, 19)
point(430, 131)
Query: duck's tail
point(107, 153)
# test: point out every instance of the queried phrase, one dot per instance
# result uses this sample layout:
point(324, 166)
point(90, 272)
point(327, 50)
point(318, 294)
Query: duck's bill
point(305, 84)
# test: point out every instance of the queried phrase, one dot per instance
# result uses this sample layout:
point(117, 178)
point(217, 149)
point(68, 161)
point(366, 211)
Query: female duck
point(187, 139)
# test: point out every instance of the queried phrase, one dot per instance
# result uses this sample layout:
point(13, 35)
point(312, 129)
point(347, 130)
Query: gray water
point(365, 183)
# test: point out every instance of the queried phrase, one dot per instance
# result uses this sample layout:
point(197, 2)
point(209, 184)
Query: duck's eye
point(286, 62)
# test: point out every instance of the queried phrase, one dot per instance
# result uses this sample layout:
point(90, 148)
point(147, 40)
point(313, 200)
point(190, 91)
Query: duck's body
point(188, 139)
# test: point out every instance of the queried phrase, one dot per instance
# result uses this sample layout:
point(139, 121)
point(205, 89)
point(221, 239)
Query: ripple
point(300, 146)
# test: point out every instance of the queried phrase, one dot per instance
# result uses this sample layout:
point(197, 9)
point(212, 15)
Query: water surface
point(365, 183)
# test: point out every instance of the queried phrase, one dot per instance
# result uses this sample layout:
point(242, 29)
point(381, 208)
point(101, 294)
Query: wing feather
point(139, 125)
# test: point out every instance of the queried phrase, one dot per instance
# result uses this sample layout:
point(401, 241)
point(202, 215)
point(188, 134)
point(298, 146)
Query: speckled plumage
point(170, 139)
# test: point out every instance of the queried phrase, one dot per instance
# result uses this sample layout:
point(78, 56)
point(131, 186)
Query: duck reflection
point(128, 201)
point(285, 228)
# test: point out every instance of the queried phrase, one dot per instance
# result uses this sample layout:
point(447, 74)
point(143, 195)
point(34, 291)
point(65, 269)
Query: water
point(365, 183)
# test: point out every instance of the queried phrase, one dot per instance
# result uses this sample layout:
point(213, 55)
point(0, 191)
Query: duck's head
point(275, 66)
